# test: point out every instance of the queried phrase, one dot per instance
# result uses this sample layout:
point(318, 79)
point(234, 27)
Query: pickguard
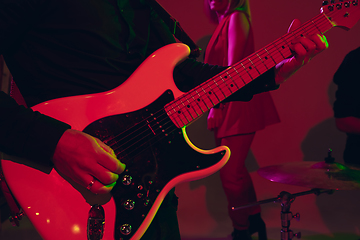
point(154, 152)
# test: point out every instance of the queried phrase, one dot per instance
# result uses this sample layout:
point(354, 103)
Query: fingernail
point(110, 186)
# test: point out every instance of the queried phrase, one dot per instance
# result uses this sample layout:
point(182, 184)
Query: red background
point(305, 133)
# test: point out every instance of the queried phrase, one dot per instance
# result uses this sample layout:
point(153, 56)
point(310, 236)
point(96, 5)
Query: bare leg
point(237, 182)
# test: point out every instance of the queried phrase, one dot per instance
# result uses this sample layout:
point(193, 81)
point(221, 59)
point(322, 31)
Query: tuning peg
point(324, 3)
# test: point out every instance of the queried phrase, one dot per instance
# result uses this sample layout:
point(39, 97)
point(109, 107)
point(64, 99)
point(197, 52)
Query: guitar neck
point(191, 105)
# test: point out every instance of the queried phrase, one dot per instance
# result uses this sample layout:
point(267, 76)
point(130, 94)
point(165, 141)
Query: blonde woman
point(235, 123)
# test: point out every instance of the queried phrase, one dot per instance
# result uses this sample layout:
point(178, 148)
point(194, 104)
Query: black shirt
point(347, 102)
point(58, 48)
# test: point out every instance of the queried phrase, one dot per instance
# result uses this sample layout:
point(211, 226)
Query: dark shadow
point(323, 136)
point(340, 210)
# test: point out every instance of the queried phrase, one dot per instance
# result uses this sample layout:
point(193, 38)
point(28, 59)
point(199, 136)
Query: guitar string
point(143, 124)
point(230, 72)
point(303, 26)
point(320, 26)
point(225, 82)
point(271, 49)
point(222, 83)
point(145, 138)
point(136, 131)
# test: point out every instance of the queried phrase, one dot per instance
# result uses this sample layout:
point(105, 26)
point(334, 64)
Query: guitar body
point(144, 120)
point(132, 120)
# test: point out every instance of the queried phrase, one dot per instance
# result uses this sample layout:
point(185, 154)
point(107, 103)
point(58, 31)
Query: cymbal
point(314, 175)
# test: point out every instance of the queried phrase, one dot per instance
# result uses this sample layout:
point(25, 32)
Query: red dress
point(239, 117)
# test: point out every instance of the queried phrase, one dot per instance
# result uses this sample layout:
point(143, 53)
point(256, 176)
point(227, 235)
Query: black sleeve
point(23, 132)
point(347, 78)
point(191, 73)
point(28, 134)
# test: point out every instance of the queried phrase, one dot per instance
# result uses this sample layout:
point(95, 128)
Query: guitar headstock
point(344, 13)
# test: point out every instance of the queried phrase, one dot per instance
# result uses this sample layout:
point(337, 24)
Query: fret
point(266, 58)
point(312, 28)
point(323, 24)
point(182, 115)
point(263, 63)
point(225, 81)
point(276, 56)
point(169, 109)
point(238, 76)
point(215, 93)
point(179, 111)
point(200, 102)
point(280, 47)
point(189, 106)
point(243, 74)
point(253, 66)
point(257, 63)
point(206, 99)
point(315, 27)
point(285, 48)
point(172, 114)
point(251, 70)
point(327, 24)
point(213, 96)
point(298, 34)
point(231, 81)
point(305, 30)
point(186, 108)
point(222, 85)
point(196, 105)
point(179, 120)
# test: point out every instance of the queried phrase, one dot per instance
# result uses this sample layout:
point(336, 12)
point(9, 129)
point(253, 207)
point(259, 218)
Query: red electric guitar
point(147, 131)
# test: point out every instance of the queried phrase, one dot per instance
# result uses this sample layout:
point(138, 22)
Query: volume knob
point(129, 204)
point(126, 180)
point(125, 229)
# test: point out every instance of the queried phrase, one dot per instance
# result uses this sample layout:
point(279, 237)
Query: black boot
point(257, 224)
point(241, 235)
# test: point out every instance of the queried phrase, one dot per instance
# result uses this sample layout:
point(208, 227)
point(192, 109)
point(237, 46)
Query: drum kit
point(322, 177)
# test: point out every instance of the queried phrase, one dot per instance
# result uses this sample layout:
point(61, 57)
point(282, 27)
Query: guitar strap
point(175, 28)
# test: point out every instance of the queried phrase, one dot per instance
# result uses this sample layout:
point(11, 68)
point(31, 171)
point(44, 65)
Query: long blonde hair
point(240, 5)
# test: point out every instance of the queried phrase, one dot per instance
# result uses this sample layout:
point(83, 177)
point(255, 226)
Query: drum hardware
point(322, 177)
point(286, 199)
point(327, 174)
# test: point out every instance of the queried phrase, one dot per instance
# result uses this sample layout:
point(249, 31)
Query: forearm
point(26, 133)
point(190, 74)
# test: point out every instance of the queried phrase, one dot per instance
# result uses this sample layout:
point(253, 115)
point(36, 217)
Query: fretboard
point(191, 105)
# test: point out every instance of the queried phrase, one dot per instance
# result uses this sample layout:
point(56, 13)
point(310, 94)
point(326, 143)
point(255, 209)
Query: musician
point(346, 105)
point(64, 48)
point(235, 123)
